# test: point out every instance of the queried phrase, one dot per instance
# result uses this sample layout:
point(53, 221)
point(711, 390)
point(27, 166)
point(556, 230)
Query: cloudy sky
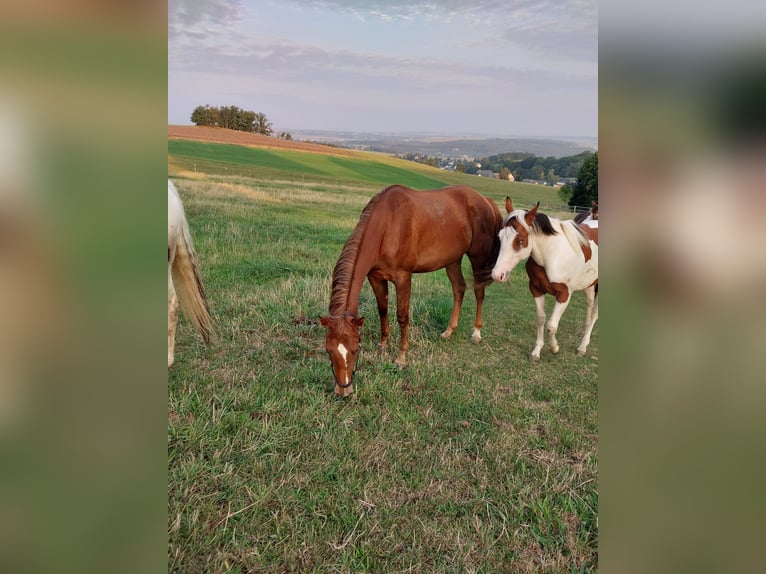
point(495, 67)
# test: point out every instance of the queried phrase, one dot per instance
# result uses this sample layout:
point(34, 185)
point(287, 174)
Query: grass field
point(472, 459)
point(376, 169)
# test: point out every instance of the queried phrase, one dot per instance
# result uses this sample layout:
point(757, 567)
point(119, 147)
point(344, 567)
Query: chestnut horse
point(562, 257)
point(183, 276)
point(402, 231)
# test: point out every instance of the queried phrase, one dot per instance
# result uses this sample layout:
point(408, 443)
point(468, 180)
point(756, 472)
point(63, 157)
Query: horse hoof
point(446, 334)
point(581, 352)
point(555, 350)
point(401, 363)
point(476, 338)
point(534, 358)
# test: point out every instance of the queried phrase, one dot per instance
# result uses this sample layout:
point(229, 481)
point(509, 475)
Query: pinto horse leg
point(403, 289)
point(591, 298)
point(553, 323)
point(455, 274)
point(380, 288)
point(540, 341)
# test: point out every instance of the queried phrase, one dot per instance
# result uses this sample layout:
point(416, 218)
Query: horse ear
point(325, 321)
point(508, 204)
point(359, 321)
point(593, 204)
point(530, 216)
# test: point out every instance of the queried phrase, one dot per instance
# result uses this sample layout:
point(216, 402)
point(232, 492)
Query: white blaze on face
point(507, 258)
point(344, 353)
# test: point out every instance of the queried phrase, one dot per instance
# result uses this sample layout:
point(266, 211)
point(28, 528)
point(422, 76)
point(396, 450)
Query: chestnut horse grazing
point(183, 276)
point(562, 257)
point(402, 231)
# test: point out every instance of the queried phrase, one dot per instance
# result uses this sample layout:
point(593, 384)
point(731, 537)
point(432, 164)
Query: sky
point(492, 67)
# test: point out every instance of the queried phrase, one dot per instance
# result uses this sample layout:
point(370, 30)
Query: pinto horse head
point(342, 344)
point(514, 240)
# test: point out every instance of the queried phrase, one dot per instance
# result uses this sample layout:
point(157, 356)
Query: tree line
point(235, 118)
point(583, 168)
point(580, 171)
point(527, 166)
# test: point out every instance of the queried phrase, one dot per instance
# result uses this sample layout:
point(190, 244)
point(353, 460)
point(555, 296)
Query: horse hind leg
point(591, 298)
point(455, 274)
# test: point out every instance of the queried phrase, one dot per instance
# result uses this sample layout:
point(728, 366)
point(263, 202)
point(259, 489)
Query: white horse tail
point(188, 284)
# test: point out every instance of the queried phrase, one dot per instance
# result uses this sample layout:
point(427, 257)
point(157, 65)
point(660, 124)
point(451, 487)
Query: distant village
point(471, 166)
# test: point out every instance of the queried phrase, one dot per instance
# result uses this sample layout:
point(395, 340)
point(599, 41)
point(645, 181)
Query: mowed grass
point(472, 459)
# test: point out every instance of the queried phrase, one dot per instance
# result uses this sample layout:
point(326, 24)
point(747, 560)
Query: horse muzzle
point(500, 276)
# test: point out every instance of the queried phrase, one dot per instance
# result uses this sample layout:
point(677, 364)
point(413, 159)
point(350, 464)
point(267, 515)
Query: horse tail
point(187, 281)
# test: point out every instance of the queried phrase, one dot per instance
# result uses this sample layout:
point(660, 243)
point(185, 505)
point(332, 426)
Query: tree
point(262, 124)
point(586, 189)
point(205, 116)
point(232, 117)
point(504, 173)
point(565, 193)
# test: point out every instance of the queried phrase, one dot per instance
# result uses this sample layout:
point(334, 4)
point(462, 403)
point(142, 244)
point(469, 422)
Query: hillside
point(194, 151)
point(223, 135)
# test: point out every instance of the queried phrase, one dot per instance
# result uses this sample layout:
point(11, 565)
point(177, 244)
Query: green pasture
point(377, 170)
point(472, 459)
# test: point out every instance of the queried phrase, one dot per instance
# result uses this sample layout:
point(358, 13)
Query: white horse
point(184, 276)
point(562, 257)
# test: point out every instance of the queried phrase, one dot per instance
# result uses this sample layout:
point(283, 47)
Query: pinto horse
point(589, 218)
point(184, 276)
point(402, 231)
point(562, 257)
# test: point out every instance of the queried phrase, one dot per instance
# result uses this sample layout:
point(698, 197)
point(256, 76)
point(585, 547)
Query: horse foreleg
point(553, 323)
point(591, 298)
point(540, 341)
point(455, 274)
point(173, 305)
point(403, 290)
point(380, 288)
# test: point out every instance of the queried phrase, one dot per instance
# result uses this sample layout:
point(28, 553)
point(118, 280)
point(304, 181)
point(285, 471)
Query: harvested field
point(223, 135)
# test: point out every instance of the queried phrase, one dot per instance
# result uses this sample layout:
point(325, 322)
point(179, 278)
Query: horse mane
point(580, 217)
point(344, 268)
point(543, 224)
